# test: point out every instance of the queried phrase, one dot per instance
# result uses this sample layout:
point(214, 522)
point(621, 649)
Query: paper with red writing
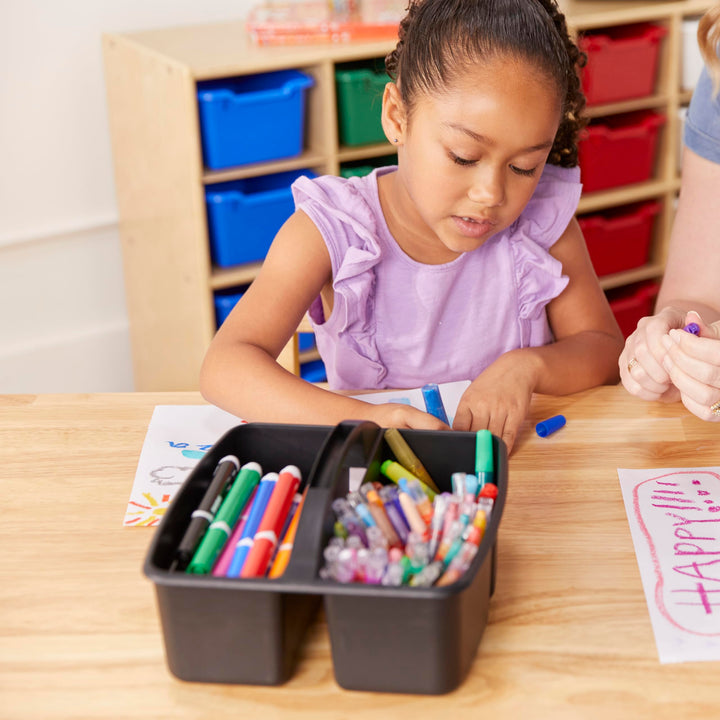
point(674, 517)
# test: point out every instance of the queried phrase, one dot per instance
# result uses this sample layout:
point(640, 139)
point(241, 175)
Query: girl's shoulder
point(348, 214)
point(552, 206)
point(352, 195)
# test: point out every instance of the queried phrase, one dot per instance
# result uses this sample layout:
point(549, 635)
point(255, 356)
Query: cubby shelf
point(160, 180)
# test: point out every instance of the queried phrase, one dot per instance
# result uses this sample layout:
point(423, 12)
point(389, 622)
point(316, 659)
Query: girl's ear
point(394, 118)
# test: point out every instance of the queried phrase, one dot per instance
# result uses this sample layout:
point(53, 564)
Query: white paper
point(179, 435)
point(674, 516)
point(450, 392)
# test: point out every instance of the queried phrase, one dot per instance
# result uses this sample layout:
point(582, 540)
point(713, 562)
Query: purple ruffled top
point(397, 323)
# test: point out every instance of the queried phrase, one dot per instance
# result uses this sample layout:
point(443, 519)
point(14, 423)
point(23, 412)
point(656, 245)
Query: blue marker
point(549, 426)
point(433, 402)
point(693, 328)
point(257, 510)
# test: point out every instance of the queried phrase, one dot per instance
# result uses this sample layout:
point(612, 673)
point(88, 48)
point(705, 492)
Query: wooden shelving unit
point(160, 180)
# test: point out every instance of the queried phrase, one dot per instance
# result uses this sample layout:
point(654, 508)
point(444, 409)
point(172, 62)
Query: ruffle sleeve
point(538, 275)
point(342, 213)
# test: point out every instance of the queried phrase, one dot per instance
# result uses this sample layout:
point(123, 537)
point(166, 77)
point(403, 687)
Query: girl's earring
point(395, 140)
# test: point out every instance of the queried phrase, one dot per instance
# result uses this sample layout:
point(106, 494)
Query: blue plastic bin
point(225, 301)
point(252, 118)
point(313, 371)
point(306, 341)
point(245, 215)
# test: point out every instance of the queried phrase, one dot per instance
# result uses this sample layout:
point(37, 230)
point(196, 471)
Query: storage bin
point(359, 168)
point(692, 60)
point(619, 150)
point(359, 103)
point(622, 62)
point(245, 215)
point(396, 639)
point(313, 371)
point(252, 118)
point(619, 239)
point(306, 341)
point(225, 301)
point(631, 303)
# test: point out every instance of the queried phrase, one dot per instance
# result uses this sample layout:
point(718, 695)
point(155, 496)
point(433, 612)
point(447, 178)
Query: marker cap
point(549, 426)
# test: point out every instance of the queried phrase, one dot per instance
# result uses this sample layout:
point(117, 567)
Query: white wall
point(63, 322)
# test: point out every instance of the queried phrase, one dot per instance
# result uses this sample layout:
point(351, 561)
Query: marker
point(286, 545)
point(549, 426)
point(484, 460)
point(220, 568)
point(407, 458)
point(221, 527)
point(433, 402)
point(224, 472)
point(266, 536)
point(262, 497)
point(693, 328)
point(395, 471)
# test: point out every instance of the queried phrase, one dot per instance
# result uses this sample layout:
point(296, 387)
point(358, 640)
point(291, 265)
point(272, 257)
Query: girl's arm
point(588, 340)
point(240, 373)
point(585, 352)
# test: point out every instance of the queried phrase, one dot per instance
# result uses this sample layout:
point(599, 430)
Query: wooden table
point(569, 634)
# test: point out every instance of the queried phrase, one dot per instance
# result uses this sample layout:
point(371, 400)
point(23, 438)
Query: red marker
point(266, 537)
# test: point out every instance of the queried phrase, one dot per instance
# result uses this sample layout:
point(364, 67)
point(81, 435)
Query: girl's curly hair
point(440, 38)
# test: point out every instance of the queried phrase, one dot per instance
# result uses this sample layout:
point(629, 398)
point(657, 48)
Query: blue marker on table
point(262, 497)
point(433, 402)
point(549, 426)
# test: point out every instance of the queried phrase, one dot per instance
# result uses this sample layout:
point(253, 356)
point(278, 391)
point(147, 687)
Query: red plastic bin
point(622, 62)
point(631, 303)
point(619, 239)
point(619, 150)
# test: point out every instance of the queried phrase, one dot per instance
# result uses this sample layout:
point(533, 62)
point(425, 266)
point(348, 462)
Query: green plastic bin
point(359, 99)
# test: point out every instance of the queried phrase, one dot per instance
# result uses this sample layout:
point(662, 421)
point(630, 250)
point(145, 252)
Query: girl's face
point(471, 157)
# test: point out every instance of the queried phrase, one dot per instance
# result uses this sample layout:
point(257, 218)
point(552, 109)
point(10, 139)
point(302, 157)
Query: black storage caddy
point(392, 639)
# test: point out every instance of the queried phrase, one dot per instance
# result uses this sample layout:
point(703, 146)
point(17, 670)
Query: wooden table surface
point(569, 634)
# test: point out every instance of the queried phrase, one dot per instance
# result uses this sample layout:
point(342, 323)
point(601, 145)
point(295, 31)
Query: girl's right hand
point(399, 415)
point(641, 361)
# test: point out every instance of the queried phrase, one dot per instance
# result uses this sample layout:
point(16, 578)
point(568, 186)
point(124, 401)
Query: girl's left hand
point(693, 364)
point(497, 400)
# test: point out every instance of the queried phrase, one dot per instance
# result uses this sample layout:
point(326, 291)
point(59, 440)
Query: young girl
point(463, 262)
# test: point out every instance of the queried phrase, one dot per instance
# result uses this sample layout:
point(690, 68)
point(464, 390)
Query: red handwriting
point(679, 515)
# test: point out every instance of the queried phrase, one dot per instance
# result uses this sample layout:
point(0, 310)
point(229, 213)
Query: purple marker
point(693, 328)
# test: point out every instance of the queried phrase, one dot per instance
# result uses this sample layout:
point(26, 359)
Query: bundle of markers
point(245, 524)
point(409, 533)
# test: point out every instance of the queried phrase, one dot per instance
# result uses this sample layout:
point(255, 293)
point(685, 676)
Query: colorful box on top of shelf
point(245, 215)
point(619, 238)
point(619, 150)
point(622, 62)
point(252, 118)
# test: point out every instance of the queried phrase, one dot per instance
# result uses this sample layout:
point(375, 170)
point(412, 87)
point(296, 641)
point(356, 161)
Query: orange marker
point(286, 545)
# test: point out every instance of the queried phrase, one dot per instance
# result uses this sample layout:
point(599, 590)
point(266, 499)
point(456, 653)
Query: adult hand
point(693, 366)
point(641, 361)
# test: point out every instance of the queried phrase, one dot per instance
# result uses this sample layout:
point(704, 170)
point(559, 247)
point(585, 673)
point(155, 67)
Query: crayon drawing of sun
point(146, 515)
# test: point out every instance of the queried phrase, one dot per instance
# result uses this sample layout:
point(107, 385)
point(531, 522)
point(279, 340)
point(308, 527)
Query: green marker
point(484, 460)
point(219, 531)
point(395, 471)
